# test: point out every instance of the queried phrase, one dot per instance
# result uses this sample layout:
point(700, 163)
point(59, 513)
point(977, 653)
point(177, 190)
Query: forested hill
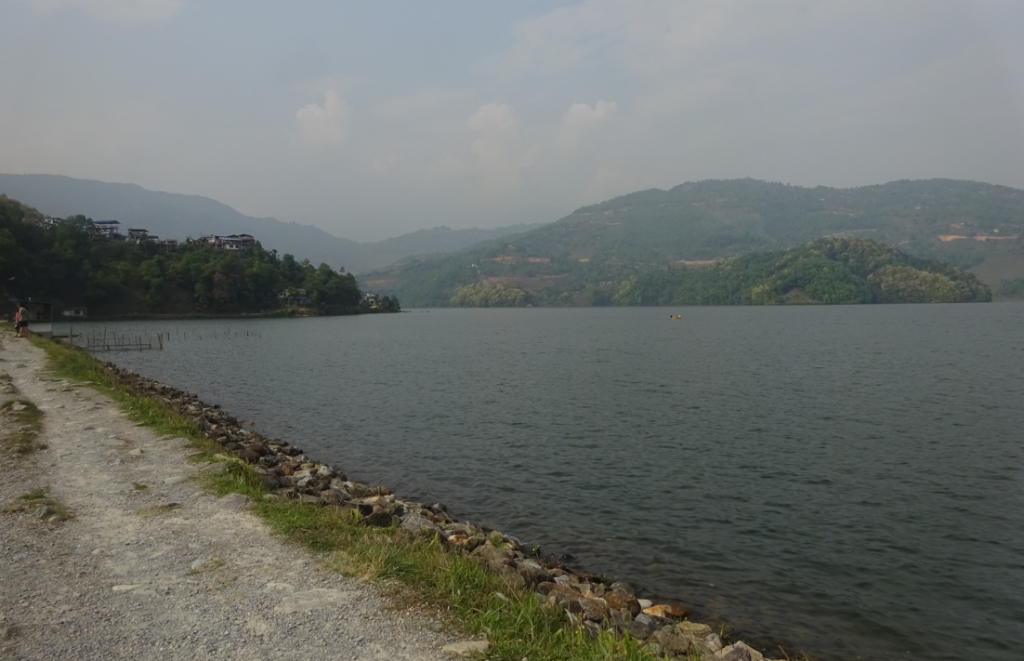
point(580, 259)
point(176, 216)
point(69, 264)
point(834, 270)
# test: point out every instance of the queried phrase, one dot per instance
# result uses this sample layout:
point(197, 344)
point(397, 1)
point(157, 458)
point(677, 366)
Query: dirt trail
point(153, 567)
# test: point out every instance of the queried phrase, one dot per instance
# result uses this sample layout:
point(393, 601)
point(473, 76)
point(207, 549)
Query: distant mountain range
point(176, 216)
point(582, 258)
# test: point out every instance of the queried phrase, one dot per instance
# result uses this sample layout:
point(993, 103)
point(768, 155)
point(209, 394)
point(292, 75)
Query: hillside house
point(293, 297)
point(79, 311)
point(229, 241)
point(108, 229)
point(139, 235)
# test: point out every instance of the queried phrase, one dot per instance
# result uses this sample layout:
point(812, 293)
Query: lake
point(846, 481)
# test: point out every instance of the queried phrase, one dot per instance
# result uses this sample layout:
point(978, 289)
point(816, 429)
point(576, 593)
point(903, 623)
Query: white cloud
point(128, 11)
point(326, 124)
point(501, 153)
point(581, 118)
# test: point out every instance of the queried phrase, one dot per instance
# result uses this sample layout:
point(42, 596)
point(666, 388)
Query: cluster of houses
point(111, 230)
point(227, 241)
point(299, 297)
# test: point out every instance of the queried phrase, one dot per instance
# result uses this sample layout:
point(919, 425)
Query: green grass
point(415, 572)
point(22, 423)
point(77, 365)
point(37, 502)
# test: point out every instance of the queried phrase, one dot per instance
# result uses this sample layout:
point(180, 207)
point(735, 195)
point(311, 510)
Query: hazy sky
point(370, 119)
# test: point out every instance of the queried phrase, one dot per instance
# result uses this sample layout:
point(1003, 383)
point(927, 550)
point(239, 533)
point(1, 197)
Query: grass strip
point(22, 420)
point(38, 503)
point(26, 421)
point(415, 571)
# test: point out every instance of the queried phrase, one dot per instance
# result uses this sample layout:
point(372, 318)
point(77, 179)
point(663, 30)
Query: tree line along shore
point(72, 265)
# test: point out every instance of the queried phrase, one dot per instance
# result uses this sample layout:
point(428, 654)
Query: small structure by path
point(154, 567)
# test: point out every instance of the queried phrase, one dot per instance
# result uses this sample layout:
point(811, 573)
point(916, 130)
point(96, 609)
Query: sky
point(371, 119)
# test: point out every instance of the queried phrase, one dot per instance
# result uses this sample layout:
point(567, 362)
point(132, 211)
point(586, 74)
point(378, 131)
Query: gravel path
point(153, 567)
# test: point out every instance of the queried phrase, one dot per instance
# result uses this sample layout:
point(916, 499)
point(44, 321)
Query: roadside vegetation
point(414, 571)
point(20, 420)
point(40, 505)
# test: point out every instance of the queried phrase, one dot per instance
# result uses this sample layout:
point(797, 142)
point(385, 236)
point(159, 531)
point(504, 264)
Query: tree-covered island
point(834, 270)
point(68, 262)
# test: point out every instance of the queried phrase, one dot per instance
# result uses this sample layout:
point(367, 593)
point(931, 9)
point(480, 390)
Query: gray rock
point(693, 629)
point(417, 524)
point(301, 602)
point(562, 596)
point(532, 572)
point(466, 648)
point(648, 622)
point(511, 576)
point(619, 619)
point(622, 588)
point(737, 652)
point(673, 642)
point(594, 610)
point(638, 630)
point(491, 555)
point(234, 501)
point(335, 496)
point(752, 654)
point(566, 579)
point(713, 642)
point(177, 479)
point(378, 520)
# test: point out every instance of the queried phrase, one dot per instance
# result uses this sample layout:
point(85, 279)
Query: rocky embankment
point(594, 603)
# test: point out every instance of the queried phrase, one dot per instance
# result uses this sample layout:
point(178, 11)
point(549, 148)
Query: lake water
point(846, 481)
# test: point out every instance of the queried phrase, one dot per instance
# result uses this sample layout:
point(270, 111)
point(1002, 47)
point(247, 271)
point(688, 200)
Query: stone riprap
point(592, 602)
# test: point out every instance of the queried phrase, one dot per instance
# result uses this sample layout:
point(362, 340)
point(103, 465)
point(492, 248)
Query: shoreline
point(288, 474)
point(295, 313)
point(117, 546)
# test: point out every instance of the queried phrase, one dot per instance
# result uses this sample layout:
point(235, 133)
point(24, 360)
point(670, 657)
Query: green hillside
point(583, 258)
point(834, 270)
point(67, 263)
